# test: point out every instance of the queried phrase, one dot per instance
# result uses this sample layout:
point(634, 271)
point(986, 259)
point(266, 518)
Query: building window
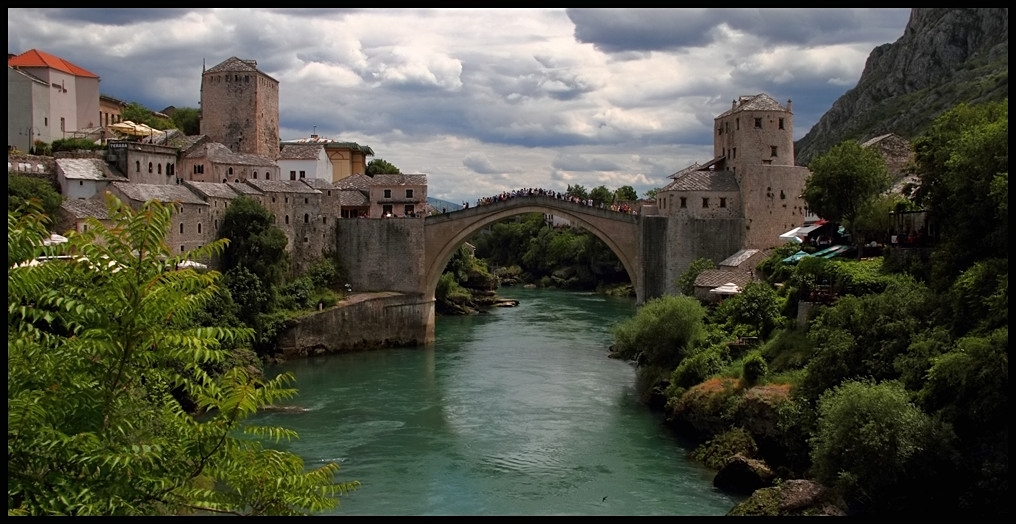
point(287, 219)
point(199, 228)
point(409, 193)
point(181, 228)
point(684, 202)
point(386, 210)
point(409, 210)
point(734, 150)
point(705, 203)
point(772, 151)
point(388, 193)
point(781, 123)
point(268, 176)
point(723, 202)
point(306, 218)
point(159, 168)
point(737, 123)
point(306, 201)
point(149, 167)
point(303, 174)
point(137, 167)
point(758, 123)
point(292, 175)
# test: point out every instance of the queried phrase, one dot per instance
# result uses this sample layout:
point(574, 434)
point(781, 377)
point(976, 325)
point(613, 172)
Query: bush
point(754, 369)
point(75, 144)
point(715, 452)
point(696, 369)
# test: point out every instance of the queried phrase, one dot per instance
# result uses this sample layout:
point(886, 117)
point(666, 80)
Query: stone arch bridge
point(444, 233)
point(403, 258)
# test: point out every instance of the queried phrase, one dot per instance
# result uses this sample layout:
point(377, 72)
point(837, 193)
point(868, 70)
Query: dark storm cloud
point(641, 30)
point(116, 16)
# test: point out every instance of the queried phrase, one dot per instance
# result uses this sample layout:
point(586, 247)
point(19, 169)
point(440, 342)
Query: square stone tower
point(240, 108)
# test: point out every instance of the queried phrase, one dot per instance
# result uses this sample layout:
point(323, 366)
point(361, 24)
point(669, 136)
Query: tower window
point(684, 202)
point(723, 202)
point(758, 123)
point(705, 203)
point(772, 150)
point(781, 123)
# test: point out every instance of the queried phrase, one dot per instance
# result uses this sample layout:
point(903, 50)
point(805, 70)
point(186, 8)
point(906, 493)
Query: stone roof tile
point(160, 192)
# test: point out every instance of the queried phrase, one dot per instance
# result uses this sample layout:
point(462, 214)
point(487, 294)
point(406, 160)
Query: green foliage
point(870, 440)
point(686, 281)
point(255, 242)
point(577, 191)
point(662, 332)
point(978, 301)
point(297, 294)
point(863, 336)
point(773, 269)
point(756, 306)
point(103, 357)
point(754, 369)
point(963, 161)
point(626, 194)
point(715, 452)
point(187, 120)
point(844, 180)
point(601, 195)
point(380, 166)
point(140, 114)
point(74, 144)
point(246, 288)
point(696, 368)
point(21, 189)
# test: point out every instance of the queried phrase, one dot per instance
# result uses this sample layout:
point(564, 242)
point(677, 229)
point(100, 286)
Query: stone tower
point(240, 108)
point(755, 142)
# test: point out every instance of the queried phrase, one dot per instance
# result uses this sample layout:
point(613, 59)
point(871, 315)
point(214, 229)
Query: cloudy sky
point(487, 100)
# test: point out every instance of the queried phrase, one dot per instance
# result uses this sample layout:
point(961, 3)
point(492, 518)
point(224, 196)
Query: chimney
point(789, 105)
point(733, 105)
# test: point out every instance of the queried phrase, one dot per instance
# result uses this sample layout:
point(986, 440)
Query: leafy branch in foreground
point(103, 355)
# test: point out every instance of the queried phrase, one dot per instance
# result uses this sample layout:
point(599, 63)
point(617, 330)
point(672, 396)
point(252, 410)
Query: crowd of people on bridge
point(557, 195)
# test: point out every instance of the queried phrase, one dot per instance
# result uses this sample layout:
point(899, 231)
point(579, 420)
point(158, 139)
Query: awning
point(792, 259)
point(729, 288)
point(791, 236)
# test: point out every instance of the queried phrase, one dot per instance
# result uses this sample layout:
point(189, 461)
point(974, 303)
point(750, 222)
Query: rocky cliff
point(946, 56)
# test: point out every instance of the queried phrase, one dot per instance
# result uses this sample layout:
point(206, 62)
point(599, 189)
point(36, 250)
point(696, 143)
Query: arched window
point(181, 228)
point(159, 168)
point(199, 228)
point(149, 167)
point(230, 172)
point(137, 166)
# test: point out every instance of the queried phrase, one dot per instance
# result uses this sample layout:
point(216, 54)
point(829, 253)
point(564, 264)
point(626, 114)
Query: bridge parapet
point(551, 203)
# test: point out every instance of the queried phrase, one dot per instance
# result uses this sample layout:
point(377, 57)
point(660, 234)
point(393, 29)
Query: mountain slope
point(946, 56)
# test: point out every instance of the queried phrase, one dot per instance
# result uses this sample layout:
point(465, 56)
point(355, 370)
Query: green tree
point(103, 357)
point(662, 333)
point(963, 161)
point(187, 120)
point(140, 114)
point(757, 306)
point(379, 166)
point(601, 195)
point(651, 194)
point(844, 180)
point(21, 189)
point(255, 242)
point(577, 191)
point(626, 194)
point(686, 281)
point(870, 443)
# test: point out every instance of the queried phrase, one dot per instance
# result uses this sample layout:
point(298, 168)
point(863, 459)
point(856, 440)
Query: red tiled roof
point(36, 58)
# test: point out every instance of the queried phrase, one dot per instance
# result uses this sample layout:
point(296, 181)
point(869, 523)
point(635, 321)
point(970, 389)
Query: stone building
point(305, 162)
point(240, 108)
point(214, 162)
point(191, 223)
point(752, 176)
point(354, 196)
point(143, 163)
point(297, 210)
point(400, 195)
point(83, 178)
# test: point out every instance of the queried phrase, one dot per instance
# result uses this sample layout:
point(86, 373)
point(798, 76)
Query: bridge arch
point(444, 233)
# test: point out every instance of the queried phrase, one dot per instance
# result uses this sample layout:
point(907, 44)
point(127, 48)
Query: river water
point(514, 412)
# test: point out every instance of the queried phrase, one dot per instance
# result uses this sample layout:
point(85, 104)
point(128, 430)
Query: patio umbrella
point(130, 128)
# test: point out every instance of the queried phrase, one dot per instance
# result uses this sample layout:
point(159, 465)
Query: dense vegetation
point(895, 391)
point(120, 402)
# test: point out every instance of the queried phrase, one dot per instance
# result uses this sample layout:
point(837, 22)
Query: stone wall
point(382, 254)
point(361, 322)
point(688, 239)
